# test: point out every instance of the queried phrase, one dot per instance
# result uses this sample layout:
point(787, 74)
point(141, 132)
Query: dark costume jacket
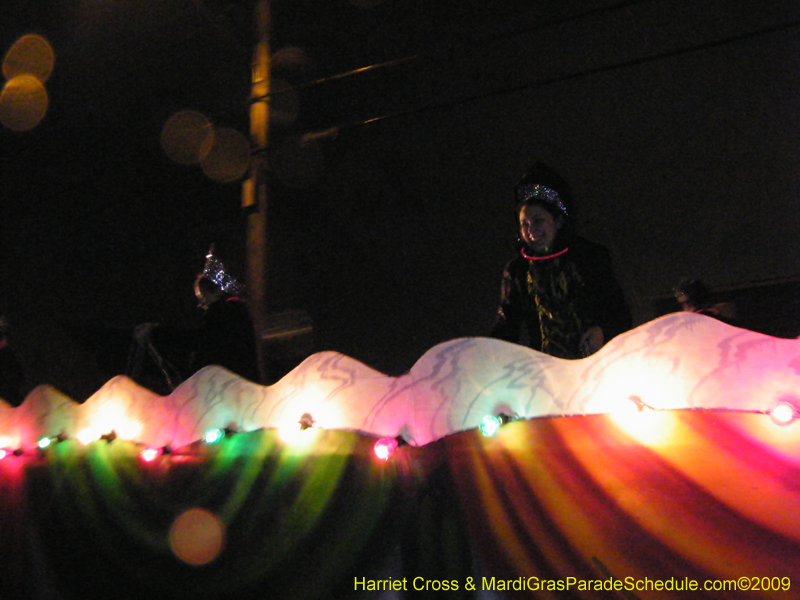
point(225, 338)
point(228, 339)
point(558, 299)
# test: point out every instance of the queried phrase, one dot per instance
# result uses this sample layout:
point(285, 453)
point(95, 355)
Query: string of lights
point(782, 413)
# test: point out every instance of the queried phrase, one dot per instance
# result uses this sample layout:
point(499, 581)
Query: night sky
point(677, 125)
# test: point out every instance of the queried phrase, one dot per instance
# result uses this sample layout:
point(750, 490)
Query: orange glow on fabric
point(586, 499)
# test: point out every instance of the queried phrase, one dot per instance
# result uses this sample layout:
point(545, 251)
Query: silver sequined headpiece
point(534, 190)
point(214, 270)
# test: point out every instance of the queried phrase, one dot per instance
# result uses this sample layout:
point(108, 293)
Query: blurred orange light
point(30, 55)
point(23, 103)
point(197, 536)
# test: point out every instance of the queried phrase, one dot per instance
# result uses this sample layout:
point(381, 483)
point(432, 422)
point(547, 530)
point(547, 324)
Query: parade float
point(668, 462)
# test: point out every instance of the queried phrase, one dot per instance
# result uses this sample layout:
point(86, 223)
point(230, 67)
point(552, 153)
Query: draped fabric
point(570, 499)
point(298, 522)
point(703, 496)
point(706, 496)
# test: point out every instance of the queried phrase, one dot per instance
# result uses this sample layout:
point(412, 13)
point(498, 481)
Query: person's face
point(685, 302)
point(538, 228)
point(206, 294)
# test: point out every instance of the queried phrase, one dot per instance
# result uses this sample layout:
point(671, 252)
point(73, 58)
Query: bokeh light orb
point(30, 55)
point(229, 158)
point(23, 103)
point(187, 137)
point(197, 537)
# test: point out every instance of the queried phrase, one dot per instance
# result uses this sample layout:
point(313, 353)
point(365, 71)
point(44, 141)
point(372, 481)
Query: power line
point(548, 81)
point(487, 39)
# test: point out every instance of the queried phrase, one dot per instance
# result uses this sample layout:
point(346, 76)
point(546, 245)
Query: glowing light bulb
point(88, 435)
point(3, 453)
point(783, 413)
point(306, 421)
point(129, 429)
point(212, 436)
point(631, 405)
point(292, 430)
point(44, 442)
point(385, 447)
point(109, 437)
point(150, 454)
point(490, 424)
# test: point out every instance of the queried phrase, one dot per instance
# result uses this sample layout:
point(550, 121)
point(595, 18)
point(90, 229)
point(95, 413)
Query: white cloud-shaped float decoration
point(680, 361)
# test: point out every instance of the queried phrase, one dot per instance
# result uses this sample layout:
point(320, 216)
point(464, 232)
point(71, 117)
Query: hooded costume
point(226, 336)
point(553, 299)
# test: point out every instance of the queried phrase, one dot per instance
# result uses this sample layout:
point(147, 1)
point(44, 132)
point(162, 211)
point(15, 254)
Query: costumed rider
point(694, 296)
point(225, 338)
point(559, 294)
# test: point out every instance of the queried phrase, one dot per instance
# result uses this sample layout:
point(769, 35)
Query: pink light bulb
point(385, 447)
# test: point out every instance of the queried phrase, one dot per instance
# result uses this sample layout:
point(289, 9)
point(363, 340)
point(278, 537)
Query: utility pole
point(254, 189)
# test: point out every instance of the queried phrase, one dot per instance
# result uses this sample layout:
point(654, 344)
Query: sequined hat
point(542, 184)
point(215, 272)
